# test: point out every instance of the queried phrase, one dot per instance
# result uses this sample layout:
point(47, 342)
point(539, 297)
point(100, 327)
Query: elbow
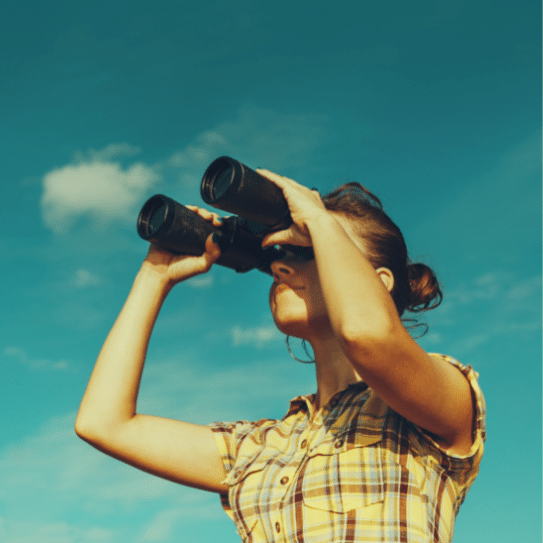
point(89, 430)
point(83, 429)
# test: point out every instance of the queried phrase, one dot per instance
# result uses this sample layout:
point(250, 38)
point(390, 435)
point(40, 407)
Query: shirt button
point(303, 444)
point(339, 443)
point(284, 480)
point(277, 527)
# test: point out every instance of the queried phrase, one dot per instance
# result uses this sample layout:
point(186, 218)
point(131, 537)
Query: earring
point(305, 349)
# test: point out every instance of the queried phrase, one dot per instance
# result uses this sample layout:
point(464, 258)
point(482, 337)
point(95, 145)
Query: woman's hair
point(416, 287)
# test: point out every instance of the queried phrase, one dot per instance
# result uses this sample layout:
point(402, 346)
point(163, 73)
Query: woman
point(387, 447)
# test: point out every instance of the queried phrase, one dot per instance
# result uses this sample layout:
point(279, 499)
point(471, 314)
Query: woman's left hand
point(304, 204)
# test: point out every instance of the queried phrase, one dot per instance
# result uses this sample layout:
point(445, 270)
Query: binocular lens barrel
point(222, 183)
point(157, 216)
point(175, 228)
point(171, 225)
point(229, 185)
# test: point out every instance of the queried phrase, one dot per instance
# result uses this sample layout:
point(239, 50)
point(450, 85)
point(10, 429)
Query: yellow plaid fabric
point(359, 472)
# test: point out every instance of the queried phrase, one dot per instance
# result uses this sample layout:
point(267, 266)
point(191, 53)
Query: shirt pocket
point(342, 476)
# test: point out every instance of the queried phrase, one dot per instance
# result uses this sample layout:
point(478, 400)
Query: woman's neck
point(333, 368)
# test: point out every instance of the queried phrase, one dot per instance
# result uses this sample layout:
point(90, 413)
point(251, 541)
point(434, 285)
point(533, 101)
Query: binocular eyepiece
point(230, 186)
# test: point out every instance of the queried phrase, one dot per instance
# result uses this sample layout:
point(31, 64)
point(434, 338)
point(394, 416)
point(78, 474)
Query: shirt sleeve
point(464, 467)
point(238, 439)
point(227, 436)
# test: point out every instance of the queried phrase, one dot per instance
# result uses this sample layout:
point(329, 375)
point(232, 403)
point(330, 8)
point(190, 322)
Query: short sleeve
point(238, 439)
point(464, 467)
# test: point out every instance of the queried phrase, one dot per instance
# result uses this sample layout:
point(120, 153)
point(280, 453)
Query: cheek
point(316, 305)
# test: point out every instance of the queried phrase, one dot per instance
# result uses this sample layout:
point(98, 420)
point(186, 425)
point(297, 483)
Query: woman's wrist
point(321, 221)
point(154, 279)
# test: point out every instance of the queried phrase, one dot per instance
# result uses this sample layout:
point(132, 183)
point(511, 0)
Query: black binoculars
point(259, 206)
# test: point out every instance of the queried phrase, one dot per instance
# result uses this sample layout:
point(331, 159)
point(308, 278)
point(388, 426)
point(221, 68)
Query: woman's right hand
point(173, 268)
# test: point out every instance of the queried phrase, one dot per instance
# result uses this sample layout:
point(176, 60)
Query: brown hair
point(416, 287)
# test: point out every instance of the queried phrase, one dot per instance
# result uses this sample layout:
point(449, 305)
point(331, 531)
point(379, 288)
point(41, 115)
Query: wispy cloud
point(201, 281)
point(493, 305)
point(501, 286)
point(83, 278)
point(268, 138)
point(55, 462)
point(21, 356)
point(258, 136)
point(259, 336)
point(108, 153)
point(31, 531)
point(54, 472)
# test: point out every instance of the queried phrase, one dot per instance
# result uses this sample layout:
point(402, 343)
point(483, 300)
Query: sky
point(433, 106)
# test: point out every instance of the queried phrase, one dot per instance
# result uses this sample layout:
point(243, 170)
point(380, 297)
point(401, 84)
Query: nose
point(281, 268)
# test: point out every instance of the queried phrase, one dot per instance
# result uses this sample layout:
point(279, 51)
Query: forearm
point(357, 301)
point(110, 398)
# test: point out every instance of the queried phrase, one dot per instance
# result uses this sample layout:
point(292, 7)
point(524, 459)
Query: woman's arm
point(107, 418)
point(431, 393)
point(427, 391)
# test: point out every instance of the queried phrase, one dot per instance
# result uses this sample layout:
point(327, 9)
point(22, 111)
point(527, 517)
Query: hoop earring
point(305, 349)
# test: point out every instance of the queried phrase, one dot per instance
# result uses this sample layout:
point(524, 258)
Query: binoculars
point(258, 204)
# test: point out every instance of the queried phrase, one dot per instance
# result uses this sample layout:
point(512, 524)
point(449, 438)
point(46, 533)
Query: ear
point(386, 276)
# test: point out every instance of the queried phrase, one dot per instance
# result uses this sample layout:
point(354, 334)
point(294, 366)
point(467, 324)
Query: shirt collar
point(305, 403)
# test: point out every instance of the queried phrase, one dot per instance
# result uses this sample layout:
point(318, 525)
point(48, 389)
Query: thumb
point(213, 251)
point(283, 237)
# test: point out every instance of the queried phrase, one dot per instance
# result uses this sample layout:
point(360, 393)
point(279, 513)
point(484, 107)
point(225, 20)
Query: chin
point(291, 326)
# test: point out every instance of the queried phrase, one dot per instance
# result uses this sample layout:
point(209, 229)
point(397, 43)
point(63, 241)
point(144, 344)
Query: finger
point(285, 237)
point(212, 252)
point(217, 219)
point(207, 215)
point(279, 180)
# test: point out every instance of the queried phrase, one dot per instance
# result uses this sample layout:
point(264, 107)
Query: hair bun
point(426, 291)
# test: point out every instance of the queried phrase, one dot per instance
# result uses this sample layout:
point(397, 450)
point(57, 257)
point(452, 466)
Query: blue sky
point(433, 106)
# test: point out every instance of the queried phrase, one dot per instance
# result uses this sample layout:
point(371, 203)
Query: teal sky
point(435, 107)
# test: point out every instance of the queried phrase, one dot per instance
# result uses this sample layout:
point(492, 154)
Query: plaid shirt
point(358, 472)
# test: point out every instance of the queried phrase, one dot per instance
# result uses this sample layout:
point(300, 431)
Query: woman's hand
point(304, 205)
point(173, 268)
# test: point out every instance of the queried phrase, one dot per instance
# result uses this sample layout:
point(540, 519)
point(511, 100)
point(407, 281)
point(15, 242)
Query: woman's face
point(296, 299)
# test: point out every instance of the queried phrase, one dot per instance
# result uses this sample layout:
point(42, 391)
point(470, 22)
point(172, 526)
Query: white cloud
point(84, 278)
point(94, 188)
point(201, 281)
point(258, 336)
point(42, 364)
